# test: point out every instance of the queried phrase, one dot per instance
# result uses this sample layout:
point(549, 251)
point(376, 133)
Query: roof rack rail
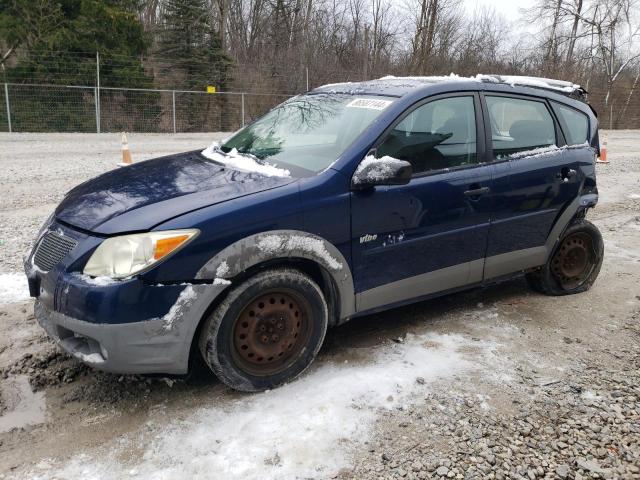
point(560, 86)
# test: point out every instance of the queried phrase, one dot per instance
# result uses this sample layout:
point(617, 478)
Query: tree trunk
point(633, 87)
point(551, 48)
point(574, 32)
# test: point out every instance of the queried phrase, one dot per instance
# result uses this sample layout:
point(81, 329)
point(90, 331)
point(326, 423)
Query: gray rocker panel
point(421, 285)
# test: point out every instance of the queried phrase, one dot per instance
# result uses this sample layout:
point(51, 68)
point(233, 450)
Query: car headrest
point(459, 127)
point(532, 132)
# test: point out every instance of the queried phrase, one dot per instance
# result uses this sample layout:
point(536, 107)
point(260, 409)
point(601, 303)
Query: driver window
point(440, 134)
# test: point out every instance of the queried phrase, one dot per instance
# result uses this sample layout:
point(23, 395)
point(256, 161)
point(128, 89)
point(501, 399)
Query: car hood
point(142, 195)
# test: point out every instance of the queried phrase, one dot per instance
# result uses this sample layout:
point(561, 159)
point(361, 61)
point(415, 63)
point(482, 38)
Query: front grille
point(52, 248)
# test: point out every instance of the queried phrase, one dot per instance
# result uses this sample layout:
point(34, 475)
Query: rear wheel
point(574, 265)
point(267, 331)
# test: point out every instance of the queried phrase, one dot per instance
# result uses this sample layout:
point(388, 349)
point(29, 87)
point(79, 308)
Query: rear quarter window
point(519, 125)
point(574, 123)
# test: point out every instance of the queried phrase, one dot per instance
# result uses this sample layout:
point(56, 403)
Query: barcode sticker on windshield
point(372, 103)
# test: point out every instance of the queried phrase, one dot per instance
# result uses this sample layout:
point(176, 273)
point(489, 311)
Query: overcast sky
point(509, 8)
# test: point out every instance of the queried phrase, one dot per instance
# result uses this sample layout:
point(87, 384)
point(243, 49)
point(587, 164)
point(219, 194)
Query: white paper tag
point(371, 103)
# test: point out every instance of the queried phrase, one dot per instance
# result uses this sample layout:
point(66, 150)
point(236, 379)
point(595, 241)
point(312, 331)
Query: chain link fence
point(53, 108)
point(28, 107)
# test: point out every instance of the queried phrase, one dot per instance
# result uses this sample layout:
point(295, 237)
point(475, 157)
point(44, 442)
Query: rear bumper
point(140, 347)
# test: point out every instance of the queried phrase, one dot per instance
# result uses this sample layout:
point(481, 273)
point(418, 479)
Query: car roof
point(401, 86)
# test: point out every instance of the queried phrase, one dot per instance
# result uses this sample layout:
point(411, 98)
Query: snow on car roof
point(398, 86)
point(539, 82)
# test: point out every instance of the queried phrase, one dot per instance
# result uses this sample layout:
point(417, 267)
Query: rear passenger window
point(575, 124)
point(440, 134)
point(518, 125)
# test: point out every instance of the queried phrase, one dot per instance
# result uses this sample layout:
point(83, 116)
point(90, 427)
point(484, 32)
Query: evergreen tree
point(193, 58)
point(44, 41)
point(190, 46)
point(55, 42)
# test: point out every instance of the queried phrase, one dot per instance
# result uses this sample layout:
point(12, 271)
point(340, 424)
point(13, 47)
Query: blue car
point(347, 200)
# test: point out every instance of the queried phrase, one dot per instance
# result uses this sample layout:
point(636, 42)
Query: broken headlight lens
point(126, 255)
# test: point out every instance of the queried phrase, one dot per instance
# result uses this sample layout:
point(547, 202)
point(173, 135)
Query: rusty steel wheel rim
point(573, 262)
point(271, 332)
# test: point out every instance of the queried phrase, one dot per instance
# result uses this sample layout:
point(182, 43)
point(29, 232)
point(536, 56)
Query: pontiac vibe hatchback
point(350, 199)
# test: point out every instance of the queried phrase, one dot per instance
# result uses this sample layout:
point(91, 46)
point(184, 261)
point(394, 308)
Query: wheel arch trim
point(284, 245)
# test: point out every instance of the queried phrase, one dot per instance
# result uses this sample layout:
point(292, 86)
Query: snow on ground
point(13, 287)
point(302, 430)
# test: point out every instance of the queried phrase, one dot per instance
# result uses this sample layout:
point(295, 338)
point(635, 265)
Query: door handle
point(566, 173)
point(476, 192)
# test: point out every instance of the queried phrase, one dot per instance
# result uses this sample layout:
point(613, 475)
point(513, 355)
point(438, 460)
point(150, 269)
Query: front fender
point(284, 244)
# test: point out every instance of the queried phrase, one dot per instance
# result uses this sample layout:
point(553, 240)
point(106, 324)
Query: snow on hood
point(243, 162)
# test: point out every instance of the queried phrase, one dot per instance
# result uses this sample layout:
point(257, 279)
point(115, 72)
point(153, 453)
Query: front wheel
point(267, 331)
point(574, 265)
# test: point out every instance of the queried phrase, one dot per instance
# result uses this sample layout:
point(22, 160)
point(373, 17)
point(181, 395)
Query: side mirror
point(381, 171)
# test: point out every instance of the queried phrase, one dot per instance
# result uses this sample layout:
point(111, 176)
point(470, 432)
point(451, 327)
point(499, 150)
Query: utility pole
point(98, 92)
point(6, 99)
point(365, 51)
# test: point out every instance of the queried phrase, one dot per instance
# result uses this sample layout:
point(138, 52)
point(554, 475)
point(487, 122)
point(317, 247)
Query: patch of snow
point(287, 243)
point(305, 429)
point(513, 80)
point(591, 396)
point(483, 401)
point(633, 196)
point(91, 358)
point(534, 152)
point(222, 270)
point(382, 168)
point(13, 288)
point(184, 299)
point(430, 79)
point(243, 162)
point(543, 151)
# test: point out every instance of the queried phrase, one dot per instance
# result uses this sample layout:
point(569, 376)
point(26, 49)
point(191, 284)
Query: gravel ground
point(515, 384)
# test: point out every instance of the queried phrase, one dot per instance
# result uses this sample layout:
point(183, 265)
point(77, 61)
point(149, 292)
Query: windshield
point(308, 133)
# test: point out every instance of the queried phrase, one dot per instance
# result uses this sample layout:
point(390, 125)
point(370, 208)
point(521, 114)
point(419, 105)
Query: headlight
point(123, 256)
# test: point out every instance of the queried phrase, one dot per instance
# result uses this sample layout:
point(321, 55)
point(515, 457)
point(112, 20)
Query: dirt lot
point(496, 383)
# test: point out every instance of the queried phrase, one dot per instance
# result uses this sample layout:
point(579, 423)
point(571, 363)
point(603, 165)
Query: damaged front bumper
point(124, 326)
point(121, 326)
point(140, 347)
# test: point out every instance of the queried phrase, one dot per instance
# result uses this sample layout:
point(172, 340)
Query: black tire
point(267, 331)
point(575, 263)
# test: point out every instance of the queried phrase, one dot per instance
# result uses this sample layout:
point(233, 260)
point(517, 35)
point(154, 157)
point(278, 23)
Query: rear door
point(534, 180)
point(430, 235)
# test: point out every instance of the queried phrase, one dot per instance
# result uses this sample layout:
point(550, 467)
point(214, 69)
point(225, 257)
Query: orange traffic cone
point(603, 151)
point(126, 154)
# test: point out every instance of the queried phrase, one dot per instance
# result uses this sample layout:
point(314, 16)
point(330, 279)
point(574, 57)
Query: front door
point(534, 181)
point(430, 235)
